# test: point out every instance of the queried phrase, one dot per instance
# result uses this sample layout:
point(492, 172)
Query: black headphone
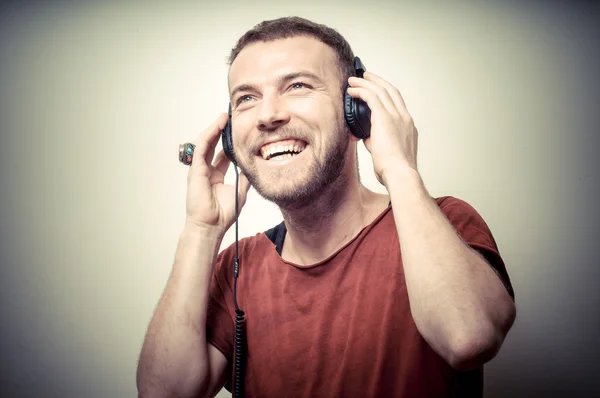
point(356, 113)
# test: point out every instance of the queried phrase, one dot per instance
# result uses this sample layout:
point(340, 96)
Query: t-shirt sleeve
point(474, 231)
point(219, 321)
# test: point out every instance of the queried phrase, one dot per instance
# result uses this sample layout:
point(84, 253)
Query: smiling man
point(355, 294)
point(289, 123)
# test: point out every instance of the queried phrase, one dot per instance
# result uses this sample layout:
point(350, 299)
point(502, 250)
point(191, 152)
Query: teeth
point(297, 148)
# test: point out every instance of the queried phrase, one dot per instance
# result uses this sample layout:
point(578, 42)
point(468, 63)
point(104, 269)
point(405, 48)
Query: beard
point(303, 186)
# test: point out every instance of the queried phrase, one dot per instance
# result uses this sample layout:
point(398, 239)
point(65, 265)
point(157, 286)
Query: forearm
point(458, 303)
point(174, 357)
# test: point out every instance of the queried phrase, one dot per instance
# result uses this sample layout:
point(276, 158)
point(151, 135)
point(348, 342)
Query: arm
point(175, 358)
point(459, 304)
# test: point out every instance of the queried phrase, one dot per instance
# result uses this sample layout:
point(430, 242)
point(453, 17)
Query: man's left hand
point(394, 138)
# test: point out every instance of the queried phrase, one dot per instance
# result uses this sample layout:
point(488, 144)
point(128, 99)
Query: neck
point(317, 231)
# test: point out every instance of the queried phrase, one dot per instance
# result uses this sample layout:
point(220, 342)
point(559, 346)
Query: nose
point(272, 114)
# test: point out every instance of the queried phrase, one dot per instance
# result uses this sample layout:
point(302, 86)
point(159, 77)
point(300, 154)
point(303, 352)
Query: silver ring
point(186, 153)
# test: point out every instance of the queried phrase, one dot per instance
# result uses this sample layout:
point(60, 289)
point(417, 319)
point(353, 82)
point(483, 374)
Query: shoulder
point(464, 217)
point(476, 233)
point(454, 204)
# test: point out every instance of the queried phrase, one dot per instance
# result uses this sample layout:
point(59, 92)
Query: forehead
point(260, 62)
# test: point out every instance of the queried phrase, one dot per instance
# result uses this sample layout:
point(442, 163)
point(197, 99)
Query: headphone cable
point(240, 335)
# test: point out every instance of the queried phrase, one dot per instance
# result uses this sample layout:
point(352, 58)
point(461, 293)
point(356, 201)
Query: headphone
point(356, 113)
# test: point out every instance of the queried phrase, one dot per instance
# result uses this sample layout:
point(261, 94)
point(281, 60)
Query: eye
point(243, 98)
point(299, 85)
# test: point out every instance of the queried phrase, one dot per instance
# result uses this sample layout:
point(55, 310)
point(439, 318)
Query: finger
point(210, 154)
point(381, 93)
point(207, 141)
point(214, 140)
point(393, 92)
point(373, 101)
point(222, 162)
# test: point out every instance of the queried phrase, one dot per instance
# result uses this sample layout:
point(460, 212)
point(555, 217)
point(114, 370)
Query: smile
point(282, 150)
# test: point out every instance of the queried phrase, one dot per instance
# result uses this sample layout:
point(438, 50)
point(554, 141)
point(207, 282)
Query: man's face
point(289, 134)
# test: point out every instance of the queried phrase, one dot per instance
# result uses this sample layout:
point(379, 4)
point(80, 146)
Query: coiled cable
point(240, 324)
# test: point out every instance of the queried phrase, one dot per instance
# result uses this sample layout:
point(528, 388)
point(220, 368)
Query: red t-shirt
point(341, 327)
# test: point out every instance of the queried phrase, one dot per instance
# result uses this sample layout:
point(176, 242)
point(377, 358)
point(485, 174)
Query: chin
point(289, 192)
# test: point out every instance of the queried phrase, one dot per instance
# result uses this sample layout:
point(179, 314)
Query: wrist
point(401, 176)
point(202, 232)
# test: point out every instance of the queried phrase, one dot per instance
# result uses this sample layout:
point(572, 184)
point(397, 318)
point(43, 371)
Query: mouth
point(282, 150)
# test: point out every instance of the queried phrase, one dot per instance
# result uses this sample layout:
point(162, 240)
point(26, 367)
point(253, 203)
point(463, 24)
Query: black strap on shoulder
point(277, 236)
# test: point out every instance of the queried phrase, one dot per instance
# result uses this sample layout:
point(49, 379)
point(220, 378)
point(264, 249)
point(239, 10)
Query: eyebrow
point(280, 80)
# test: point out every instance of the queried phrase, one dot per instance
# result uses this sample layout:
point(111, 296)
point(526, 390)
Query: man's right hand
point(210, 204)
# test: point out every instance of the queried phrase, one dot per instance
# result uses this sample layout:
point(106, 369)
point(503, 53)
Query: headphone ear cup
point(357, 115)
point(227, 139)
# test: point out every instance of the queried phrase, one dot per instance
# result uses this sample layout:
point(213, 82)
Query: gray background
point(96, 96)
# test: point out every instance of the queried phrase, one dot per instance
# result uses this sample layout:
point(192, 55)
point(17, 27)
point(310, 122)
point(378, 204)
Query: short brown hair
point(286, 27)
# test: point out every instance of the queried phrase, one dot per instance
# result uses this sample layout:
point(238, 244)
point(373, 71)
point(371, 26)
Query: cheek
point(329, 127)
point(323, 109)
point(241, 127)
point(323, 116)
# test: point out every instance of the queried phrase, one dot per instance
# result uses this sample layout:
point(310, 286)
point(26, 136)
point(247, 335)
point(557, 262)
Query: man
point(370, 295)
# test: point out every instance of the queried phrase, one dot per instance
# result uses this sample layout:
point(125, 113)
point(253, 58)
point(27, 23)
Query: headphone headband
point(359, 67)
